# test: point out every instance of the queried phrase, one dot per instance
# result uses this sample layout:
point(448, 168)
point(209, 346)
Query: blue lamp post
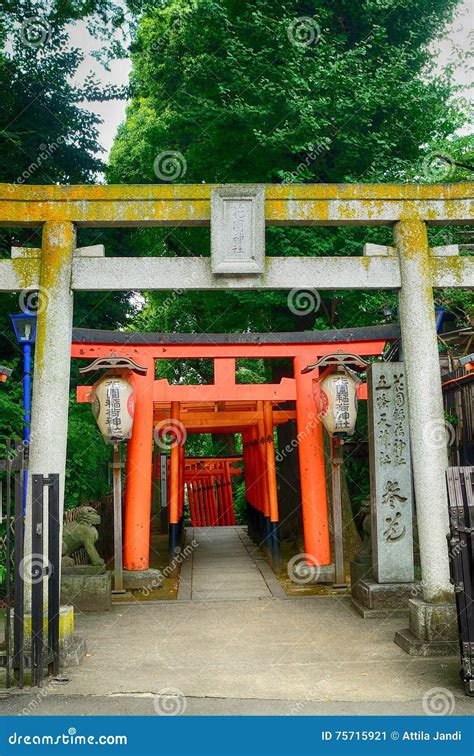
point(24, 326)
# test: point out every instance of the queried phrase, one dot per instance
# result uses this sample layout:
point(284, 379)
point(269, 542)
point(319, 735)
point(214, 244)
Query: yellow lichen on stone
point(26, 271)
point(454, 266)
point(59, 241)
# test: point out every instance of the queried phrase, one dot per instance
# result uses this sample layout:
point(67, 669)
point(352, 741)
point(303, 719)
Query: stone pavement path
point(235, 643)
point(225, 565)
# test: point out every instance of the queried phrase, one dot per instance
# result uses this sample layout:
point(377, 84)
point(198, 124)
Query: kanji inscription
point(237, 230)
point(390, 474)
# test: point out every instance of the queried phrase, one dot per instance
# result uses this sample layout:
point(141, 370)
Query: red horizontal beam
point(212, 351)
point(225, 392)
point(281, 392)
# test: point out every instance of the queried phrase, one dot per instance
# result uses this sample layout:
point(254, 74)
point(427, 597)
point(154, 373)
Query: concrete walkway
point(225, 565)
point(234, 643)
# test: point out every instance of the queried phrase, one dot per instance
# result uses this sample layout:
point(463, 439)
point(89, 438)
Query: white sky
point(456, 39)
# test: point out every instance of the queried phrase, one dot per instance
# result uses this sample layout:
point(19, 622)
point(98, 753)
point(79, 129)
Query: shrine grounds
point(234, 643)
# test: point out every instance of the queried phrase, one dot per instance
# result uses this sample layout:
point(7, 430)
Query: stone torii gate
point(238, 215)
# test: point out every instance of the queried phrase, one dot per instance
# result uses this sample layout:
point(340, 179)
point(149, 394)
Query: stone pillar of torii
point(238, 215)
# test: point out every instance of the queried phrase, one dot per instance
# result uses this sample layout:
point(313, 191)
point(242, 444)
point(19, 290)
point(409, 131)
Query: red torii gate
point(303, 348)
point(209, 488)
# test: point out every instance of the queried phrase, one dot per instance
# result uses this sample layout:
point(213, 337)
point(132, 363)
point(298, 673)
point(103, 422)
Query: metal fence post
point(8, 534)
point(54, 557)
point(37, 577)
point(19, 587)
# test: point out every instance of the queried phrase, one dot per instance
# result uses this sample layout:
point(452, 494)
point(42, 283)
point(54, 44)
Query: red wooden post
point(138, 476)
point(312, 469)
point(197, 509)
point(272, 484)
point(220, 498)
point(230, 517)
point(215, 520)
point(270, 461)
point(174, 482)
point(264, 477)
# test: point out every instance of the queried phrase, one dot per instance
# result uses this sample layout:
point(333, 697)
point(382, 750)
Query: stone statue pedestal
point(432, 630)
point(87, 588)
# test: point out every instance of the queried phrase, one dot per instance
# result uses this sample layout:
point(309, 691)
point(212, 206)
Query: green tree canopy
point(286, 91)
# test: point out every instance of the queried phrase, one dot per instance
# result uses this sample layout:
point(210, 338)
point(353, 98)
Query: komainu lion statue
point(81, 533)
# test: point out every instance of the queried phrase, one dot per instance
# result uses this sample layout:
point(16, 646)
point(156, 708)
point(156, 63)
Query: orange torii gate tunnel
point(226, 406)
point(209, 490)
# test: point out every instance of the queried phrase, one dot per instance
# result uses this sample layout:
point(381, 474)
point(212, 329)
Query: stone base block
point(83, 569)
point(305, 574)
point(366, 613)
point(361, 569)
point(142, 579)
point(372, 600)
point(432, 630)
point(72, 648)
point(118, 596)
point(326, 574)
point(87, 593)
point(416, 647)
point(66, 626)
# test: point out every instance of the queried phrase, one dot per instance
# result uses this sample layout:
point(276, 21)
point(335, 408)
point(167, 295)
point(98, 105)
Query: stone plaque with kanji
point(238, 230)
point(391, 489)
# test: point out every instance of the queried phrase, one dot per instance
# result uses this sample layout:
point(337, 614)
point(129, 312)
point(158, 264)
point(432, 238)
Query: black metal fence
point(35, 568)
point(458, 394)
point(460, 482)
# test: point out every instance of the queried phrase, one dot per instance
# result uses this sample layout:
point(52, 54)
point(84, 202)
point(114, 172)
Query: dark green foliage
point(47, 137)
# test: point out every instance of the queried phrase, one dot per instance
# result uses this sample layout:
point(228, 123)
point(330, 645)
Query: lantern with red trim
point(112, 400)
point(335, 392)
point(113, 396)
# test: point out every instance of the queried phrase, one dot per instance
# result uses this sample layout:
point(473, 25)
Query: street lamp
point(113, 404)
point(335, 394)
point(24, 326)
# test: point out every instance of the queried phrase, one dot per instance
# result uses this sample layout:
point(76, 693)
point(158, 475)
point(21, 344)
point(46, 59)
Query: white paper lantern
point(336, 401)
point(113, 407)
